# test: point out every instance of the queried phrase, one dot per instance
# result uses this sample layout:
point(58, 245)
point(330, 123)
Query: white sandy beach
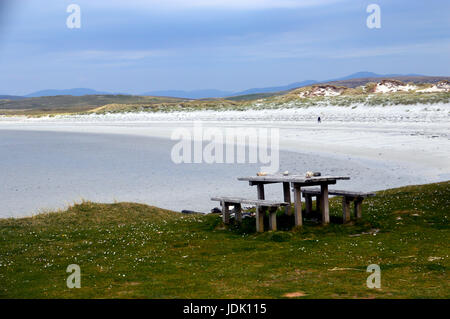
point(418, 134)
point(394, 145)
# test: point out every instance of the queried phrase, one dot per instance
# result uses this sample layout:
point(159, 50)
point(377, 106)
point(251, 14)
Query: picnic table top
point(291, 179)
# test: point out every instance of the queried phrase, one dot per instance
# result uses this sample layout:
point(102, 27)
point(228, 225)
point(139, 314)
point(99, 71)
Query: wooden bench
point(261, 207)
point(348, 197)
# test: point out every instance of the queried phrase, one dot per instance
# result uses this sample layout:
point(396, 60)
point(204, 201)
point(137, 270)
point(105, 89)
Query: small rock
point(184, 211)
point(216, 210)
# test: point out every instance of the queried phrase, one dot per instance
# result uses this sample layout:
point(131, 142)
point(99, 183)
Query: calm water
point(47, 170)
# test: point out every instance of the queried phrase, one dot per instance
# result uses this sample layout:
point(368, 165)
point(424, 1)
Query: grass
point(63, 104)
point(130, 250)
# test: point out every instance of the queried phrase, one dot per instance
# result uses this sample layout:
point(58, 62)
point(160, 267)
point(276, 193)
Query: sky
point(136, 46)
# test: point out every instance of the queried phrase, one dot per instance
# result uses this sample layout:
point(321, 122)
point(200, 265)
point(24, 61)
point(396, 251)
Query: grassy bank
point(290, 100)
point(135, 251)
point(103, 104)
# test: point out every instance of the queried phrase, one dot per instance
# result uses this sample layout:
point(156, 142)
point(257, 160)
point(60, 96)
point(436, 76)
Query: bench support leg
point(260, 211)
point(358, 208)
point(346, 209)
point(238, 213)
point(298, 205)
point(318, 205)
point(308, 201)
point(225, 213)
point(260, 219)
point(287, 198)
point(324, 204)
point(273, 218)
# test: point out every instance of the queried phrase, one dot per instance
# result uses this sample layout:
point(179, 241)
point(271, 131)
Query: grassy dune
point(101, 104)
point(64, 104)
point(129, 250)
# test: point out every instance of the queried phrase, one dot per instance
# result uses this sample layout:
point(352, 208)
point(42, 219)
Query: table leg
point(318, 206)
point(287, 197)
point(358, 208)
point(273, 218)
point(298, 205)
point(260, 211)
point(238, 213)
point(260, 219)
point(225, 213)
point(260, 188)
point(324, 204)
point(308, 201)
point(346, 209)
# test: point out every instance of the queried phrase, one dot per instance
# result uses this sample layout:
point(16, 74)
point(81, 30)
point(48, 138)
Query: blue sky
point(136, 46)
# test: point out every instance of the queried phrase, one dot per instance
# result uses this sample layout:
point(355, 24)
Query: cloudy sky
point(136, 46)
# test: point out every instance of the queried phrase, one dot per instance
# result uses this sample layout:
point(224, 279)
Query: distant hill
point(352, 80)
point(73, 92)
point(11, 97)
point(276, 88)
point(197, 94)
point(266, 91)
point(131, 103)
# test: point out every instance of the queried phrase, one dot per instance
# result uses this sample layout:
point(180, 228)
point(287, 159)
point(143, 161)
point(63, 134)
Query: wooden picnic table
point(297, 182)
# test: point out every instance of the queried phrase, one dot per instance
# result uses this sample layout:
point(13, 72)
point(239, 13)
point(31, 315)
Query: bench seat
point(347, 198)
point(261, 207)
point(254, 202)
point(336, 192)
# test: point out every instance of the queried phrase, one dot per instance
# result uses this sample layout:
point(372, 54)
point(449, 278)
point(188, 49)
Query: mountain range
point(204, 93)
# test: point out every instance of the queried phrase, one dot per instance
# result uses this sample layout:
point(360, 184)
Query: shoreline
point(62, 210)
point(421, 144)
point(404, 152)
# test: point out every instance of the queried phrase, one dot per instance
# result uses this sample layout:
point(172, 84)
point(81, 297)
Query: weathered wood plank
point(298, 205)
point(260, 188)
point(260, 211)
point(324, 204)
point(239, 200)
point(346, 209)
point(318, 205)
point(308, 201)
point(273, 219)
point(316, 191)
point(238, 213)
point(291, 179)
point(287, 198)
point(225, 212)
point(358, 208)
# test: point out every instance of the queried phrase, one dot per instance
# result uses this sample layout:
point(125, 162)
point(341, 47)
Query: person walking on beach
point(319, 120)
